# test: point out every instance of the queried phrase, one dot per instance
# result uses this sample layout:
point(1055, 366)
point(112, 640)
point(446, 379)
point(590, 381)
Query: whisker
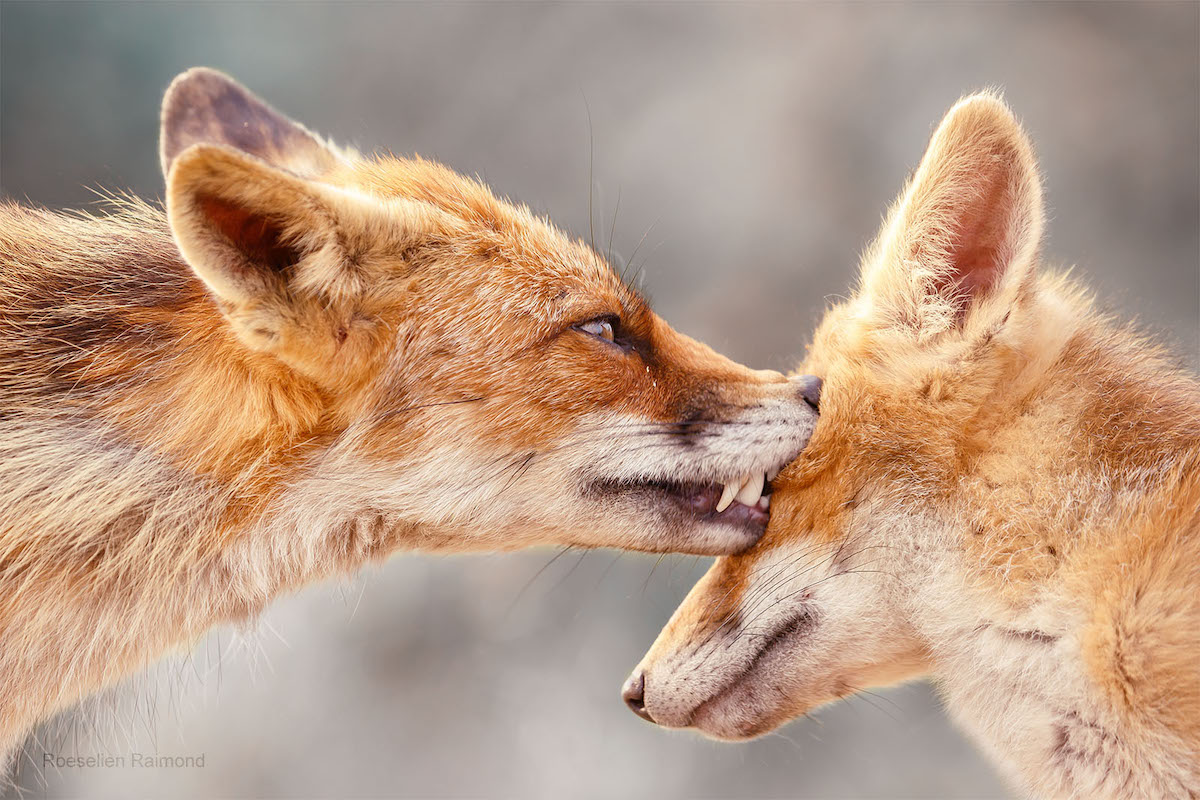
point(865, 696)
point(646, 584)
point(395, 411)
point(591, 181)
point(530, 582)
point(612, 231)
point(582, 555)
point(629, 261)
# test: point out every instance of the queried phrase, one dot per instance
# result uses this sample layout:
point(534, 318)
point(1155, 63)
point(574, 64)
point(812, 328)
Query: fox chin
point(311, 359)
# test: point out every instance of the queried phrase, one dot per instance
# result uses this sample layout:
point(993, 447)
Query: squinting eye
point(599, 327)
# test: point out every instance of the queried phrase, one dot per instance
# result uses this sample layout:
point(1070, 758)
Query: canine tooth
point(726, 497)
point(764, 502)
point(751, 489)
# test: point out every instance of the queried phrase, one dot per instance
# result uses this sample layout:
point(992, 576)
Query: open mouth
point(744, 502)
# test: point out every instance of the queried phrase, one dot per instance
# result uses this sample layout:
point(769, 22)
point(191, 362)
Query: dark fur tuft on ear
point(203, 106)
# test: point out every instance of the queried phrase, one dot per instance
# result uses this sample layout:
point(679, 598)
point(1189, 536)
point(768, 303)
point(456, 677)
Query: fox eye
point(601, 328)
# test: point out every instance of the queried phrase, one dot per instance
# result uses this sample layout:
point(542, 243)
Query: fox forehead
point(520, 263)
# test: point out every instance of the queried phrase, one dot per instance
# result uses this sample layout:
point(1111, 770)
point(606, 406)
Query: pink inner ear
point(257, 237)
point(981, 246)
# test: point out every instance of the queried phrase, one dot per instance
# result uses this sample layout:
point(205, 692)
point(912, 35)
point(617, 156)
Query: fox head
point(446, 361)
point(921, 366)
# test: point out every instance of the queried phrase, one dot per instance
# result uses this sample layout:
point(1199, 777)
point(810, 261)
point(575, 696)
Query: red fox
point(1002, 492)
point(309, 360)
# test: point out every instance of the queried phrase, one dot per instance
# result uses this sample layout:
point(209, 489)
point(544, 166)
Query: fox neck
point(143, 456)
point(145, 559)
point(1088, 426)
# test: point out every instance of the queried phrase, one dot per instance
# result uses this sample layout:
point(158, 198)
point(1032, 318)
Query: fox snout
point(809, 388)
point(700, 480)
point(486, 345)
point(311, 359)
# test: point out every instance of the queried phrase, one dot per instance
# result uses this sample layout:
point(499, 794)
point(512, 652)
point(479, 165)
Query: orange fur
point(1003, 492)
point(311, 360)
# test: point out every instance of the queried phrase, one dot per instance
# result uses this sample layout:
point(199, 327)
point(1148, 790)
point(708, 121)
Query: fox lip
point(701, 501)
point(704, 502)
point(779, 639)
point(711, 715)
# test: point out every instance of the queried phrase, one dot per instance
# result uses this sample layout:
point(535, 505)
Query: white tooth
point(726, 497)
point(764, 502)
point(751, 489)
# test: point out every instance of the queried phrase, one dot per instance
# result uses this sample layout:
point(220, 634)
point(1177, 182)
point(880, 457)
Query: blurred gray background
point(758, 145)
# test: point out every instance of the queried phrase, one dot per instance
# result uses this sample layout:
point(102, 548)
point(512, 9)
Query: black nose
point(809, 389)
point(634, 695)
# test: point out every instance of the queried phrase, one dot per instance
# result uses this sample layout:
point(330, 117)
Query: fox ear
point(291, 260)
point(962, 241)
point(245, 227)
point(203, 106)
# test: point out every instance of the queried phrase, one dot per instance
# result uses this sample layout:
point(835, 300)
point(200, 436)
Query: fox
point(306, 360)
point(1002, 493)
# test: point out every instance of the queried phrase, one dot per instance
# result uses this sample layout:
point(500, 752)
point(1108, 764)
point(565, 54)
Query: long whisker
point(747, 606)
point(646, 583)
point(747, 626)
point(591, 181)
point(810, 586)
point(629, 261)
point(531, 581)
point(865, 696)
point(613, 230)
point(781, 573)
point(395, 411)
